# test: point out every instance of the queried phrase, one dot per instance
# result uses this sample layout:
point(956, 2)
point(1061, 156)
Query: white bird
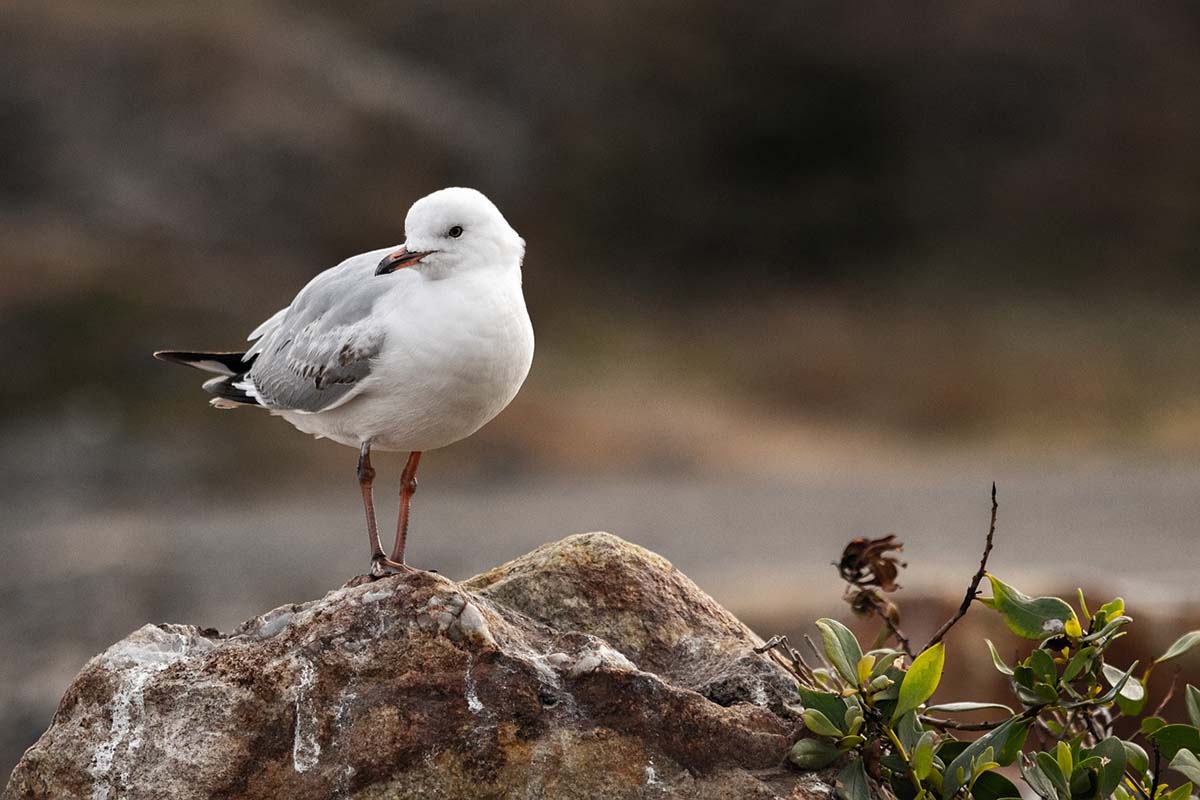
point(407, 348)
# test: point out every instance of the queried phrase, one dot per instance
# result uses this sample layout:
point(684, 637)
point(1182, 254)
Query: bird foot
point(382, 566)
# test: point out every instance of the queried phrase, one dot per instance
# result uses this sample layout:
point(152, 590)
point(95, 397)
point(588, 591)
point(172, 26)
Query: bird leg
point(366, 479)
point(408, 486)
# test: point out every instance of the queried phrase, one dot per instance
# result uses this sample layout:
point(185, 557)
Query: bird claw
point(382, 566)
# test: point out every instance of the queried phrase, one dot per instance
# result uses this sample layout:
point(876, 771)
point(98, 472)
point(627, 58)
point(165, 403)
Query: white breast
point(456, 353)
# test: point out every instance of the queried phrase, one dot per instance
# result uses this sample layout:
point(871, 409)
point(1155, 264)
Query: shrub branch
point(905, 645)
point(973, 589)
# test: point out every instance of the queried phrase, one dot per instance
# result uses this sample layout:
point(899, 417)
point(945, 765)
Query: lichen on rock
point(589, 668)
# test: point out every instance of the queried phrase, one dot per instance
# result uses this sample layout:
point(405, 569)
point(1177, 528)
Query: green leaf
point(852, 782)
point(1111, 694)
point(922, 755)
point(1037, 780)
point(908, 731)
point(829, 704)
point(841, 648)
point(948, 749)
point(1006, 741)
point(1132, 694)
point(813, 754)
point(1001, 667)
point(1136, 757)
point(819, 724)
point(853, 719)
point(1024, 676)
point(848, 743)
point(863, 669)
point(885, 657)
point(1107, 630)
point(1179, 793)
point(1151, 724)
point(1170, 739)
point(1045, 694)
point(1130, 708)
point(880, 682)
point(921, 680)
point(1051, 769)
point(1187, 764)
point(1112, 756)
point(1042, 664)
point(1083, 605)
point(1078, 663)
point(982, 763)
point(1181, 646)
point(1031, 617)
point(1011, 744)
point(1062, 754)
point(964, 707)
point(994, 786)
point(1192, 698)
point(1113, 608)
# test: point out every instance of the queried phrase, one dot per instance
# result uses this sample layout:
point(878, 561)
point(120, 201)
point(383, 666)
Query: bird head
point(453, 230)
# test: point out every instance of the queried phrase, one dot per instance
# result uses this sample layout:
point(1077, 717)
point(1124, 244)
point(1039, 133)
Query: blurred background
point(799, 272)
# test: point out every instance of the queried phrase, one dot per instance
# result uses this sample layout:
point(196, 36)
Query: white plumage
point(403, 349)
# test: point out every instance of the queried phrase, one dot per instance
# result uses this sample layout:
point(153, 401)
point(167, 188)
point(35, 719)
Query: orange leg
point(408, 486)
point(366, 480)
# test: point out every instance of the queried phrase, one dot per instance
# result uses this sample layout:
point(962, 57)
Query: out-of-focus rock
point(589, 668)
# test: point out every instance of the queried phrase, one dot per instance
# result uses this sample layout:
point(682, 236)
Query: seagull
point(405, 349)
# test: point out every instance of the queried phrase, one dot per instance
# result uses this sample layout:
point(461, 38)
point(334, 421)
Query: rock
point(589, 668)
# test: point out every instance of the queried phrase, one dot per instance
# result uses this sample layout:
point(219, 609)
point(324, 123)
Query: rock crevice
point(589, 668)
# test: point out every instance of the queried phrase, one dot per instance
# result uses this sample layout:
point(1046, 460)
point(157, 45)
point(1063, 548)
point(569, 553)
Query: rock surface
point(589, 668)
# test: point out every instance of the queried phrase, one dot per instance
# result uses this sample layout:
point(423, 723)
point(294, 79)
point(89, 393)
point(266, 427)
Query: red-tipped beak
point(398, 260)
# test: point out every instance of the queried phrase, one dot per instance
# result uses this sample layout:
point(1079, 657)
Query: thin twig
point(773, 647)
point(773, 642)
point(952, 725)
point(1170, 693)
point(973, 589)
point(820, 656)
point(784, 662)
point(1157, 768)
point(1090, 722)
point(794, 654)
point(901, 639)
point(1136, 782)
point(1030, 713)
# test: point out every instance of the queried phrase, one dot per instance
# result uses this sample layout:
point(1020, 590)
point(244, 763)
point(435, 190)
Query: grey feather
point(315, 353)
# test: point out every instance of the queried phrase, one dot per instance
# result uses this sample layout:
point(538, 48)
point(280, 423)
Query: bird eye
point(455, 232)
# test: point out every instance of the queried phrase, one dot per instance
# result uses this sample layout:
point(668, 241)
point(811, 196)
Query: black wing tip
point(225, 388)
point(226, 363)
point(182, 357)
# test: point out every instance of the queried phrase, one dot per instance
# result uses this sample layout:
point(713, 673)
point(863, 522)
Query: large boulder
point(589, 668)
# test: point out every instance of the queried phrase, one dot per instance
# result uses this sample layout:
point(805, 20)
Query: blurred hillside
point(936, 218)
point(799, 271)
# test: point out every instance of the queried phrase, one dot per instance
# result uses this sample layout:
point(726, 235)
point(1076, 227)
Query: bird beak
point(398, 260)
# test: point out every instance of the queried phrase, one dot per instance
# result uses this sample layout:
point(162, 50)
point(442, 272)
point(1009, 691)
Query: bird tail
point(229, 388)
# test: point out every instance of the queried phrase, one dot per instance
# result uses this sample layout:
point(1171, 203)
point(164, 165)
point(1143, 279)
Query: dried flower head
point(871, 562)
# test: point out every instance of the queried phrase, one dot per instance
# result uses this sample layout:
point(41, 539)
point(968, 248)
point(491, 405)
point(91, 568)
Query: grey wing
point(315, 354)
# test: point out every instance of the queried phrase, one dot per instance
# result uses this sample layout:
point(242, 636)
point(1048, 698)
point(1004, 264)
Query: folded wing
point(315, 354)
